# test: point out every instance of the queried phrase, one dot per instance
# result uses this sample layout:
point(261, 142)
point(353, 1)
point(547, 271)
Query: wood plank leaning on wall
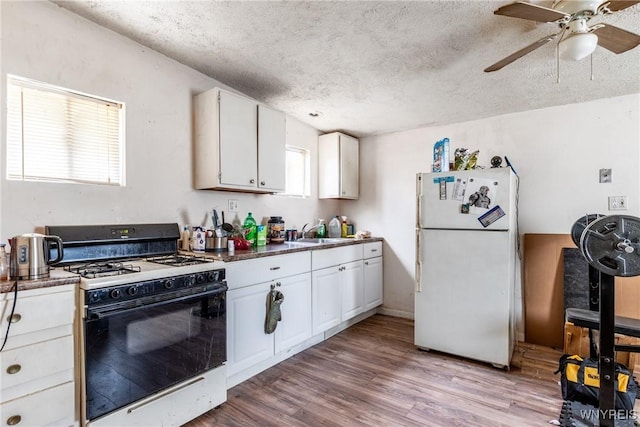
point(544, 292)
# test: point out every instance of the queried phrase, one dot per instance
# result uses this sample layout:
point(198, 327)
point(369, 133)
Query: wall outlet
point(233, 205)
point(617, 203)
point(605, 175)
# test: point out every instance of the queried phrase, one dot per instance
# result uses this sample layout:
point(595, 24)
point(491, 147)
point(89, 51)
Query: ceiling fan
point(576, 39)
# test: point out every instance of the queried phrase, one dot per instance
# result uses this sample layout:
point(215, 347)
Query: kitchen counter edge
point(56, 278)
point(278, 249)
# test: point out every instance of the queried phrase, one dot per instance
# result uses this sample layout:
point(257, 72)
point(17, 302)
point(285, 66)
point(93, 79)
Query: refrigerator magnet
point(491, 216)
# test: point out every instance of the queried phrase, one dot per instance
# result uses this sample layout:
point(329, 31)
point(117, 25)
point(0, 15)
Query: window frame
point(307, 172)
point(112, 142)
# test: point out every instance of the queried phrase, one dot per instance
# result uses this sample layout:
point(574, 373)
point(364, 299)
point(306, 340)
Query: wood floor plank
point(372, 375)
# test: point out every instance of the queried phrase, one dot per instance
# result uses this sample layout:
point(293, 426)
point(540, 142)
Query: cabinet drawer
point(31, 362)
point(334, 256)
point(53, 406)
point(371, 250)
point(258, 270)
point(36, 312)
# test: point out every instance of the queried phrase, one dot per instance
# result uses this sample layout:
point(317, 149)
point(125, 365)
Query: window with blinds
point(58, 135)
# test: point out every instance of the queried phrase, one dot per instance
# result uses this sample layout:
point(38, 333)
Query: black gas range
point(153, 321)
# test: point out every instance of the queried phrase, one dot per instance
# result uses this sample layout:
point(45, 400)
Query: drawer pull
point(14, 369)
point(274, 268)
point(14, 318)
point(366, 263)
point(374, 250)
point(14, 420)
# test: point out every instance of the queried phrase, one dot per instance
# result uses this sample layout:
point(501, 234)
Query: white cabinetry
point(239, 144)
point(338, 166)
point(250, 282)
point(337, 286)
point(372, 275)
point(37, 363)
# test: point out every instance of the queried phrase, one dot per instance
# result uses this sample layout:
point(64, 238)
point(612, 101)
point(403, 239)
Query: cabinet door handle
point(14, 420)
point(374, 250)
point(14, 369)
point(14, 318)
point(262, 183)
point(274, 268)
point(252, 181)
point(366, 263)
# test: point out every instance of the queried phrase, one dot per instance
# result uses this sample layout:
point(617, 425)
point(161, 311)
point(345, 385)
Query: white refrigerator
point(466, 236)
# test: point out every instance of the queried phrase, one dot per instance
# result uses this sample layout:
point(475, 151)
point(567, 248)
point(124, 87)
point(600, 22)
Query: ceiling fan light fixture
point(578, 46)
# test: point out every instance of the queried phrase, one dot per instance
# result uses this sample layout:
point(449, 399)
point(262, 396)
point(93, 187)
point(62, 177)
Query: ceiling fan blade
point(531, 12)
point(616, 39)
point(616, 5)
point(519, 54)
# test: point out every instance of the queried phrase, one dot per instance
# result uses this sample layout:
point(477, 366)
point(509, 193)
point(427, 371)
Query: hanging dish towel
point(274, 299)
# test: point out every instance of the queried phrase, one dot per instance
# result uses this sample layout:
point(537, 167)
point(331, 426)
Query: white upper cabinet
point(338, 166)
point(271, 149)
point(239, 144)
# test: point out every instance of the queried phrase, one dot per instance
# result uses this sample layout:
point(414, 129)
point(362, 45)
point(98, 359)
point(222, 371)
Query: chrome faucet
point(305, 231)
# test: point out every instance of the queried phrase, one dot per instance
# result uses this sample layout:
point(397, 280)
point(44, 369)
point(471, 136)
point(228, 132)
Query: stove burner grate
point(102, 269)
point(178, 260)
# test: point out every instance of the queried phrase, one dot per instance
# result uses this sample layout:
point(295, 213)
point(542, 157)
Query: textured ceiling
point(372, 67)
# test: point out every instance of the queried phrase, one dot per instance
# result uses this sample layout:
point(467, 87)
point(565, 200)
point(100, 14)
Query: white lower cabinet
point(37, 364)
point(295, 326)
point(247, 342)
point(337, 285)
point(351, 290)
point(246, 315)
point(372, 282)
point(326, 299)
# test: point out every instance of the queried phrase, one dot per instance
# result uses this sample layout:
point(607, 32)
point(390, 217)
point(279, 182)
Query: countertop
point(57, 277)
point(278, 249)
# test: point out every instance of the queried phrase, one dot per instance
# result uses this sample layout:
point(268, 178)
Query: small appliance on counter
point(30, 256)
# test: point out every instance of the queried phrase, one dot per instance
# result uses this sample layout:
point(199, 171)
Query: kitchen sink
point(309, 241)
point(320, 240)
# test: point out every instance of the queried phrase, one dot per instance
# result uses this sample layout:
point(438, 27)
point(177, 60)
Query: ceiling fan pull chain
point(592, 78)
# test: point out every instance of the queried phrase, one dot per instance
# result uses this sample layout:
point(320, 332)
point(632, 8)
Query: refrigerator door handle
point(418, 261)
point(419, 201)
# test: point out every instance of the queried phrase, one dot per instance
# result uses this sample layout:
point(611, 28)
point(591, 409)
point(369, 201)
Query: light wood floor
point(371, 374)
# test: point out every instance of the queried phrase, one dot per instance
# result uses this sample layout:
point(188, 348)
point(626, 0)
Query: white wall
point(557, 152)
point(44, 42)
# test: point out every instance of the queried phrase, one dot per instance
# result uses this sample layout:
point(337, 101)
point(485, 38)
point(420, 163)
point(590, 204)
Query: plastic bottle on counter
point(334, 227)
point(321, 231)
point(343, 227)
point(250, 229)
point(4, 264)
point(185, 238)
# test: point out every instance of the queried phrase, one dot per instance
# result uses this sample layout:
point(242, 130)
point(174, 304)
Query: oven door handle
point(113, 309)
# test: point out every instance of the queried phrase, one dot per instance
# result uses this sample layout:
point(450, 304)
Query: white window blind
point(297, 172)
point(55, 134)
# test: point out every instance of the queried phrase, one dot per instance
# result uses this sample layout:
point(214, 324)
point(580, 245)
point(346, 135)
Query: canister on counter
point(275, 230)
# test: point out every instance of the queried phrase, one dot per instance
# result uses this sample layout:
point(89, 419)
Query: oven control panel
point(131, 291)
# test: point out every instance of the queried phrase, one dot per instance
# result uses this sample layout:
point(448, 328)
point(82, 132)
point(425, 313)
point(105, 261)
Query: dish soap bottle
point(334, 227)
point(250, 229)
point(321, 230)
point(343, 227)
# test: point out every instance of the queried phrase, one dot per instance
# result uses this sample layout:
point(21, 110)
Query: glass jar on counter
point(276, 232)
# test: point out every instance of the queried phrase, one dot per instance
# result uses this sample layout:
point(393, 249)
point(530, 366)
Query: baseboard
point(396, 313)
